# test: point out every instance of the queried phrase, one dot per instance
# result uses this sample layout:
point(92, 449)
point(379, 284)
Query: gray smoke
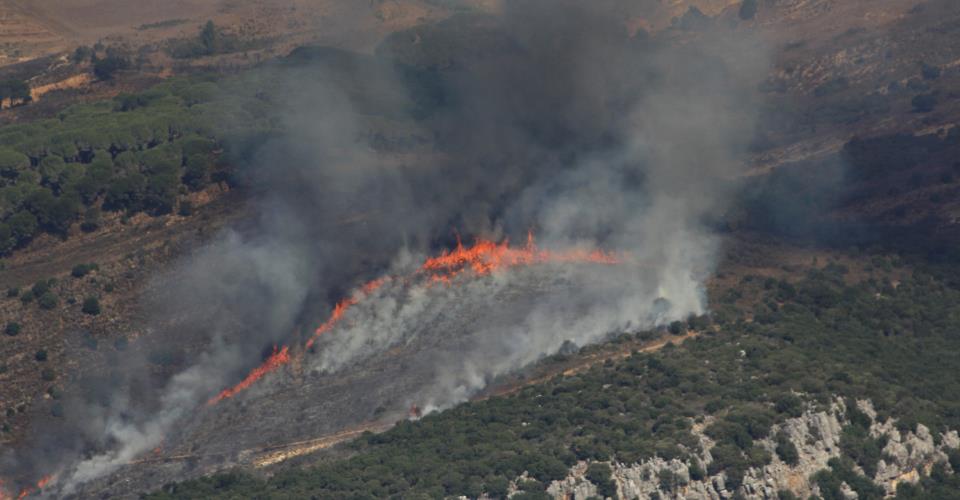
point(548, 116)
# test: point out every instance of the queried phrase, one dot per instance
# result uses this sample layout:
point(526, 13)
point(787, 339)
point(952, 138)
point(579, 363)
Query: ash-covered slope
point(453, 341)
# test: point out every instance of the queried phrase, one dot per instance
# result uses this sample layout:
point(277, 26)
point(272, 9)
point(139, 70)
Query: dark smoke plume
point(550, 115)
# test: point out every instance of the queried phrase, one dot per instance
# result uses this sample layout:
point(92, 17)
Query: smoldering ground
point(549, 115)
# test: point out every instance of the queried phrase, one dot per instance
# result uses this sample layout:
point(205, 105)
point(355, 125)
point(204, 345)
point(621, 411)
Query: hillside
point(435, 249)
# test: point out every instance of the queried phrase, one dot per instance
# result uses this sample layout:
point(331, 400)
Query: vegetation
point(210, 41)
point(893, 345)
point(12, 329)
point(136, 153)
point(17, 91)
point(168, 23)
point(91, 306)
point(81, 270)
point(105, 68)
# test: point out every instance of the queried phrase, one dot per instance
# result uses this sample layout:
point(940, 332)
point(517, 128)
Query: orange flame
point(486, 257)
point(24, 493)
point(483, 257)
point(341, 308)
point(276, 360)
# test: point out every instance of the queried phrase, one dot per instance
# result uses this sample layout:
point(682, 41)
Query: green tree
point(601, 475)
point(786, 450)
point(82, 54)
point(210, 38)
point(12, 162)
point(105, 68)
point(12, 329)
point(7, 240)
point(91, 306)
point(48, 300)
point(23, 226)
point(18, 91)
point(81, 270)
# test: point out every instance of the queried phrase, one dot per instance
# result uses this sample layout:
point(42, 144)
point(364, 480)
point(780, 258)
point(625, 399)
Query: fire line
point(484, 257)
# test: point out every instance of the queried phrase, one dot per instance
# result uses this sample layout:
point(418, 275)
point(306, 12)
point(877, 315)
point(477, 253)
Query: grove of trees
point(135, 153)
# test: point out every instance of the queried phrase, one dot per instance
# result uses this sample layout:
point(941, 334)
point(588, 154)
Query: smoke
point(549, 116)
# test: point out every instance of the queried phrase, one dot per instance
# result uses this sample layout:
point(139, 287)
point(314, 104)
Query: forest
point(135, 153)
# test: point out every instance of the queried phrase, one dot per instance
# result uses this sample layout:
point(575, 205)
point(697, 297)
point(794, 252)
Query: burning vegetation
point(26, 491)
point(279, 358)
point(483, 258)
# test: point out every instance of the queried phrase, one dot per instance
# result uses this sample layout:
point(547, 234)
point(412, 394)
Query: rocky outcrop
point(816, 435)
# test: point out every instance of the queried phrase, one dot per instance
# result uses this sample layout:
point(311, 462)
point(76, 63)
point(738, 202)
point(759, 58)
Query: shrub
point(40, 355)
point(667, 480)
point(600, 475)
point(676, 327)
point(48, 375)
point(786, 450)
point(81, 270)
point(13, 292)
point(41, 287)
point(696, 472)
point(48, 300)
point(790, 405)
point(105, 68)
point(91, 306)
point(12, 329)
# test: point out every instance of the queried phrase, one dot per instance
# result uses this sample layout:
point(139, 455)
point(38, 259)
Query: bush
point(48, 300)
point(91, 306)
point(676, 328)
point(786, 450)
point(790, 405)
point(12, 329)
point(48, 375)
point(105, 68)
point(13, 292)
point(41, 287)
point(81, 270)
point(40, 355)
point(600, 475)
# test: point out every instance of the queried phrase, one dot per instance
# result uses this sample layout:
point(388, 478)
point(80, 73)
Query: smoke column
point(549, 114)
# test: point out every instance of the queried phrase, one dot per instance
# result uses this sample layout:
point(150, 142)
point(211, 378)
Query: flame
point(486, 257)
point(29, 490)
point(341, 308)
point(276, 360)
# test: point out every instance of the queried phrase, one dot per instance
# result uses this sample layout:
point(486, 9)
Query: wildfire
point(341, 308)
point(279, 358)
point(484, 257)
point(29, 490)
